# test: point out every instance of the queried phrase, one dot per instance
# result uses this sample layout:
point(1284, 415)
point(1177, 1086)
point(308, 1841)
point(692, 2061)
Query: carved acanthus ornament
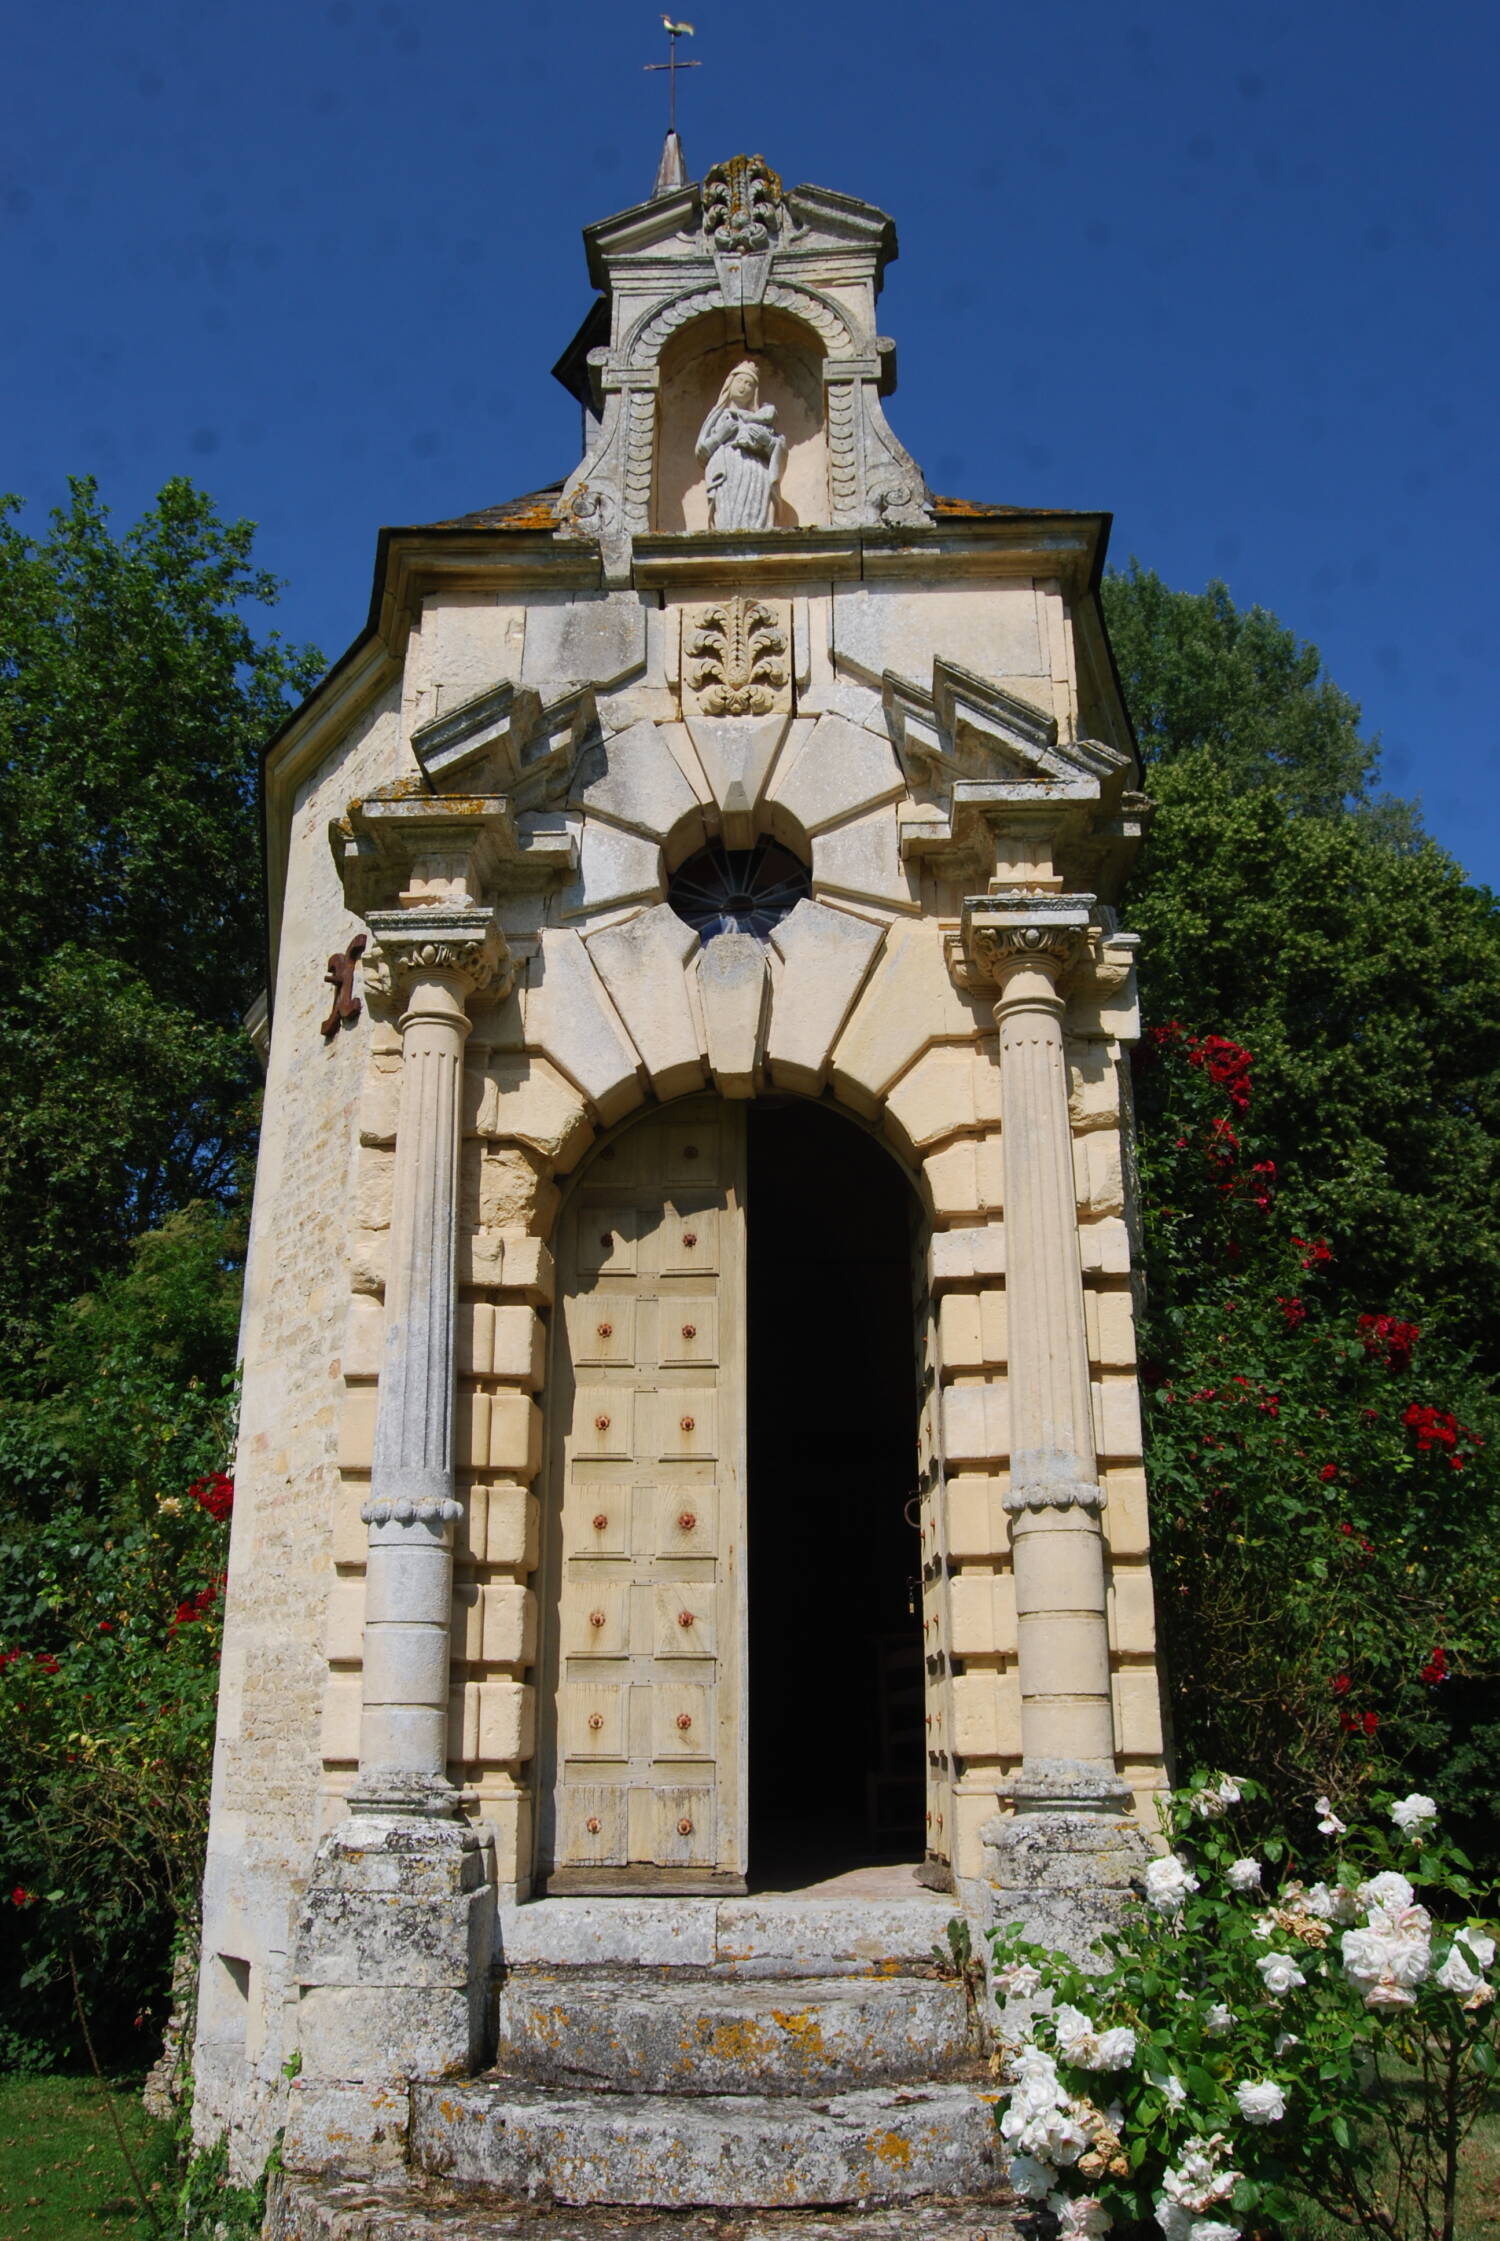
point(1006, 931)
point(739, 649)
point(461, 941)
point(742, 206)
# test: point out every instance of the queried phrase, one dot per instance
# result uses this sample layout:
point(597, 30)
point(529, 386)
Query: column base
point(402, 1795)
point(1062, 1863)
point(393, 1949)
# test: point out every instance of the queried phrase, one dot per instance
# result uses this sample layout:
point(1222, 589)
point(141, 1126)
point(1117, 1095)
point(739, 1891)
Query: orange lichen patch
point(741, 2042)
point(537, 509)
point(971, 508)
point(890, 2149)
point(804, 2030)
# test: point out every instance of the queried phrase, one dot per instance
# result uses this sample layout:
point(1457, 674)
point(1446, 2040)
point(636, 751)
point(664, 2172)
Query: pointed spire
point(671, 172)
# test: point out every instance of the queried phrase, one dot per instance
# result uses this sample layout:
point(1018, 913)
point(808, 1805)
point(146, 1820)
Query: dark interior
point(836, 1703)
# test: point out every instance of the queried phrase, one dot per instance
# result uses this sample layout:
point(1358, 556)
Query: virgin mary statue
point(745, 454)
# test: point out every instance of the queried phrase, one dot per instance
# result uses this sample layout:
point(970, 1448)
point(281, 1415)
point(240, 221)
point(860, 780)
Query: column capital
point(1005, 932)
point(457, 942)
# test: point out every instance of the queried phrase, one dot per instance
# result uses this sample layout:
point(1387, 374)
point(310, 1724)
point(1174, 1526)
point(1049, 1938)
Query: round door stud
point(684, 1826)
point(687, 1423)
point(606, 1238)
point(690, 1238)
point(690, 1151)
point(601, 1423)
point(684, 1618)
point(596, 1618)
point(592, 1824)
point(606, 1330)
point(687, 1520)
point(684, 1721)
point(596, 1721)
point(600, 1521)
point(690, 1330)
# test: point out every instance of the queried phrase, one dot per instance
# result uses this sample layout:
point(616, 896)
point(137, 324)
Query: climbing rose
point(1280, 1974)
point(1263, 2103)
point(1031, 2178)
point(1330, 1824)
point(1218, 2020)
point(1168, 1882)
point(1243, 1875)
point(1456, 1976)
point(1080, 2217)
point(1414, 1814)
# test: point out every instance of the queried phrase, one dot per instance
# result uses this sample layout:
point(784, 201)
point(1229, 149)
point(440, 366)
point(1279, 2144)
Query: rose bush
point(1323, 1474)
point(1330, 2040)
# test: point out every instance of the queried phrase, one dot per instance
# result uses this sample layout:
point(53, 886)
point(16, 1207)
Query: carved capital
point(464, 943)
point(1005, 932)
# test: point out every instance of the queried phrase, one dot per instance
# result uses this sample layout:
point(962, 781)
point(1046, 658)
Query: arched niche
point(694, 362)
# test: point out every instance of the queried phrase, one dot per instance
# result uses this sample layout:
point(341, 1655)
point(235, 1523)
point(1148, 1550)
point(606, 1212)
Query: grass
point(61, 2171)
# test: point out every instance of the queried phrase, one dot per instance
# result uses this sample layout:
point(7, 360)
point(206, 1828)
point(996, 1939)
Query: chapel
point(690, 1525)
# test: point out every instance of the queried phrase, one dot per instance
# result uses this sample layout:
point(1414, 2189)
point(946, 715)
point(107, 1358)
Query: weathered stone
point(595, 638)
point(733, 985)
point(862, 859)
point(615, 867)
point(907, 1004)
point(825, 954)
point(633, 779)
point(307, 2209)
point(642, 964)
point(839, 771)
point(818, 2035)
point(569, 1018)
point(881, 2145)
point(991, 628)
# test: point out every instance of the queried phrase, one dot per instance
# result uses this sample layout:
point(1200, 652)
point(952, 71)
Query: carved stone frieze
point(737, 657)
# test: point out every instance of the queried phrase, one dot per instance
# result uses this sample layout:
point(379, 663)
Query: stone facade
point(556, 706)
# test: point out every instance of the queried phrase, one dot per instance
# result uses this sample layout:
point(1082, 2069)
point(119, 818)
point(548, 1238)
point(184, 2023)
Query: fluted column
point(1024, 945)
point(429, 959)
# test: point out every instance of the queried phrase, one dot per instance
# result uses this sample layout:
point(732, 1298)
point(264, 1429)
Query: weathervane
point(672, 65)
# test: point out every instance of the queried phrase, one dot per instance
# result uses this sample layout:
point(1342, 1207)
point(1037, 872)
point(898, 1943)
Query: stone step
point(800, 2035)
point(835, 1936)
point(356, 2210)
point(675, 2150)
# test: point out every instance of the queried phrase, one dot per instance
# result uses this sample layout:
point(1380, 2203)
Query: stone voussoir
point(808, 2035)
point(894, 2144)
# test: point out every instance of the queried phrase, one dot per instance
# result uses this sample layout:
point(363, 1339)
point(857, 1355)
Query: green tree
point(1344, 957)
point(134, 697)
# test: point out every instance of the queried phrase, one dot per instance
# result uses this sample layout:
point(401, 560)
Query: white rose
point(1116, 2049)
point(1218, 2020)
point(1263, 2103)
point(1482, 1947)
point(1336, 1905)
point(1330, 1824)
point(1168, 1882)
point(1079, 2217)
point(1031, 2178)
point(1212, 2229)
point(1389, 1890)
point(1413, 1814)
point(1243, 1875)
point(1280, 1974)
point(1018, 1981)
point(1075, 2035)
point(1456, 1976)
point(1285, 2041)
point(1175, 2222)
point(1229, 1789)
point(1171, 2089)
point(1388, 1994)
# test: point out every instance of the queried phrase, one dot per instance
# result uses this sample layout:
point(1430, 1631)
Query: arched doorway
point(732, 1681)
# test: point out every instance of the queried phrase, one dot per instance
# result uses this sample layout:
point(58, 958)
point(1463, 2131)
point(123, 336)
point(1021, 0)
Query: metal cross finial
point(672, 65)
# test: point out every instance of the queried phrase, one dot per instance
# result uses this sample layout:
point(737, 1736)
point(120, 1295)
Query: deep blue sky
point(1227, 272)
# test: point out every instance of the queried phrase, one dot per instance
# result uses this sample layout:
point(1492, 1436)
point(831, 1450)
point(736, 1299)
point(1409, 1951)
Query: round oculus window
point(738, 890)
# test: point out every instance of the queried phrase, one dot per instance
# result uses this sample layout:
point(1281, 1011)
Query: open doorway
point(836, 1673)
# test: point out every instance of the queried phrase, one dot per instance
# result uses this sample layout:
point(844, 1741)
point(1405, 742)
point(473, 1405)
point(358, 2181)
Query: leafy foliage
point(113, 1544)
point(1261, 2041)
point(133, 700)
point(1343, 1168)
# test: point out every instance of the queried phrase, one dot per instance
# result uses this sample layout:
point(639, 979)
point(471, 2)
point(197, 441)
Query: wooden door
point(643, 1767)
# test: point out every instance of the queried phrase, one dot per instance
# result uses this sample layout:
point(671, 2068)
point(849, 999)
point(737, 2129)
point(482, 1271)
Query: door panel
point(642, 1766)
